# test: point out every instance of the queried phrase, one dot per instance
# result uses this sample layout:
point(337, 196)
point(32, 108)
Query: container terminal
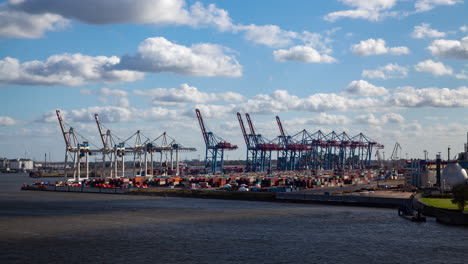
point(303, 160)
point(305, 166)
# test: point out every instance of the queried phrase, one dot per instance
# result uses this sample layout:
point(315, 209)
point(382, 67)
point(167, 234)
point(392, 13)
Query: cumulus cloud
point(302, 54)
point(371, 119)
point(368, 10)
point(428, 97)
point(269, 35)
point(123, 102)
point(393, 118)
point(158, 12)
point(425, 31)
point(107, 114)
point(322, 119)
point(463, 75)
point(15, 24)
point(388, 71)
point(368, 119)
point(154, 55)
point(186, 94)
point(450, 48)
point(463, 28)
point(65, 69)
point(426, 5)
point(160, 55)
point(201, 16)
point(105, 92)
point(7, 121)
point(112, 114)
point(371, 98)
point(212, 111)
point(363, 88)
point(376, 47)
point(436, 68)
point(282, 101)
point(31, 18)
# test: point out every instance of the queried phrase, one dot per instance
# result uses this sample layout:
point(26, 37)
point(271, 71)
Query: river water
point(48, 227)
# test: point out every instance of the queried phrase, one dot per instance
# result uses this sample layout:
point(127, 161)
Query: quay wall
point(345, 200)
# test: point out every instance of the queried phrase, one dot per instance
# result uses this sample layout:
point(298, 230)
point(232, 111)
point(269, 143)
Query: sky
point(394, 70)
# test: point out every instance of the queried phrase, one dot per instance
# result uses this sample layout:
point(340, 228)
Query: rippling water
point(46, 227)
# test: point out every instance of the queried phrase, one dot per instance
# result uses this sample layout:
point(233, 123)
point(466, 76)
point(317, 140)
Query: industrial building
point(21, 164)
point(4, 163)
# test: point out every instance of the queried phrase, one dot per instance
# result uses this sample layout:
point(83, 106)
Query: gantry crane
point(263, 147)
point(258, 148)
point(396, 149)
point(215, 147)
point(291, 150)
point(115, 153)
point(78, 151)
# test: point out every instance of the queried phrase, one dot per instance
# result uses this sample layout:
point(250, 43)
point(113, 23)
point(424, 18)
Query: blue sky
point(395, 70)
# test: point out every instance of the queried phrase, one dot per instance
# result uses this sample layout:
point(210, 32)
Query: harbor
point(174, 230)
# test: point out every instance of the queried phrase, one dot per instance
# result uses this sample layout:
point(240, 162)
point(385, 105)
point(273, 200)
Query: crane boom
point(280, 126)
point(66, 136)
point(202, 126)
point(103, 138)
point(252, 129)
point(249, 121)
point(244, 133)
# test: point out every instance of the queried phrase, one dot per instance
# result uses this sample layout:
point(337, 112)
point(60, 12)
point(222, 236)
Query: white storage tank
point(452, 175)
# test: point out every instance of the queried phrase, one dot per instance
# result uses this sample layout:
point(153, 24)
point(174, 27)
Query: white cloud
point(157, 113)
point(388, 71)
point(425, 31)
point(185, 94)
point(65, 69)
point(463, 75)
point(7, 121)
point(269, 35)
point(450, 48)
point(123, 102)
point(371, 119)
point(426, 5)
point(302, 54)
point(105, 91)
point(30, 18)
point(112, 92)
point(328, 119)
point(368, 119)
point(201, 16)
point(376, 47)
point(107, 114)
point(211, 111)
point(369, 10)
point(110, 12)
point(463, 28)
point(363, 88)
point(410, 97)
point(436, 68)
point(22, 25)
point(282, 101)
point(112, 114)
point(160, 55)
point(393, 118)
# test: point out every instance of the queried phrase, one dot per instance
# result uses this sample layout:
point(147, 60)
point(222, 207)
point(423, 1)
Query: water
point(47, 227)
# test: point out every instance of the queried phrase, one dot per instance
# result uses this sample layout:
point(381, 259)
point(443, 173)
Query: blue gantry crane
point(215, 147)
